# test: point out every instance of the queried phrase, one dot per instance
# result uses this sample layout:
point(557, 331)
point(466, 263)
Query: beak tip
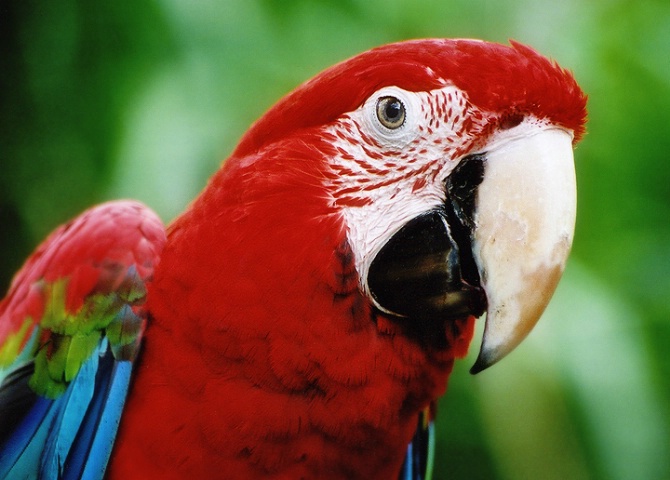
point(489, 354)
point(483, 362)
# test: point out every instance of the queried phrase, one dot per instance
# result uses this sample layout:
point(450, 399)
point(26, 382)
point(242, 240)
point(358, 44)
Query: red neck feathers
point(263, 357)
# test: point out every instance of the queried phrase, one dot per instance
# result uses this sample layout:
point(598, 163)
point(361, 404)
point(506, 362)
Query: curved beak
point(524, 225)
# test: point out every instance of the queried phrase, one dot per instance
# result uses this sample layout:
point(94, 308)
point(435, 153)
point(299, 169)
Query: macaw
point(301, 318)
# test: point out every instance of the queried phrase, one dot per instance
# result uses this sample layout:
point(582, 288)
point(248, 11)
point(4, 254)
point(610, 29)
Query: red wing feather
point(92, 253)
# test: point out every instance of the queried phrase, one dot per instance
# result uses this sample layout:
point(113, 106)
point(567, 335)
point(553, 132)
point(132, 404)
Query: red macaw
point(303, 315)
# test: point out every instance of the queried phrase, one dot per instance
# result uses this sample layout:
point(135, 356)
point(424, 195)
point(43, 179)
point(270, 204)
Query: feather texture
point(72, 324)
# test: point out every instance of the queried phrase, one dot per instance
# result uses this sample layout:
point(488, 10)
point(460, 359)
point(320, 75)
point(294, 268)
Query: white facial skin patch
point(386, 177)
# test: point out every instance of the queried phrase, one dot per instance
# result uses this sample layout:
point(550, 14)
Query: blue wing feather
point(95, 440)
point(418, 464)
point(70, 437)
point(21, 452)
point(109, 421)
point(70, 407)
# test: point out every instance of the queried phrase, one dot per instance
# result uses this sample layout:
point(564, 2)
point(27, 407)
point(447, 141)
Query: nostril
point(510, 121)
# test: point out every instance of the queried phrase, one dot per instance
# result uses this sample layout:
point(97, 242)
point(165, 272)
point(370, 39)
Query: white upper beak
point(524, 226)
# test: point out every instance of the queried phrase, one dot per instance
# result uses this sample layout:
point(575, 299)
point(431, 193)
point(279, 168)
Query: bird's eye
point(391, 112)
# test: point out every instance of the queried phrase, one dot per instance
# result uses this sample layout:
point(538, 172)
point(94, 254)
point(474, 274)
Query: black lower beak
point(424, 279)
point(419, 273)
point(426, 274)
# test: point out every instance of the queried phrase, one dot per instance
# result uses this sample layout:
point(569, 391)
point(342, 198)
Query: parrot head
point(450, 162)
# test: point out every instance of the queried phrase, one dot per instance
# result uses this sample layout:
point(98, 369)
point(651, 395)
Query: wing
point(70, 330)
point(418, 464)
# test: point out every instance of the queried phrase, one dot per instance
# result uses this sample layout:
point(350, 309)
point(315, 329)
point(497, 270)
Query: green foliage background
point(144, 99)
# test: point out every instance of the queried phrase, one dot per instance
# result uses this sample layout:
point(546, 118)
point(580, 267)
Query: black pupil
point(393, 110)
